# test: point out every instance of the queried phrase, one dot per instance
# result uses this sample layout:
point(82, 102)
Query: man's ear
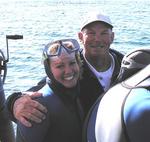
point(112, 37)
point(80, 36)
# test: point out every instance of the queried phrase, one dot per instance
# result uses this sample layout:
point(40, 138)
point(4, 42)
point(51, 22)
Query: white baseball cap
point(96, 16)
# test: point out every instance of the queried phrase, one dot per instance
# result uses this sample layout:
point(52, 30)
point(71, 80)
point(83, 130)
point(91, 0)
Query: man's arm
point(22, 107)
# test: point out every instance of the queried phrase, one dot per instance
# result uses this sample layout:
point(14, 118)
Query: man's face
point(65, 69)
point(96, 39)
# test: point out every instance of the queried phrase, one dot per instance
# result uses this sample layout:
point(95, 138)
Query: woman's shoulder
point(49, 98)
point(46, 90)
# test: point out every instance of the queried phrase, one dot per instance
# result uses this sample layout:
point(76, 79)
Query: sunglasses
point(55, 48)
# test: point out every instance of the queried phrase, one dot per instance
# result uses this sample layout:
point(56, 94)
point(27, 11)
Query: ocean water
point(40, 21)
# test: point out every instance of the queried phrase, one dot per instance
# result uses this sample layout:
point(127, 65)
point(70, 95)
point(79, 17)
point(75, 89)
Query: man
point(101, 66)
point(125, 118)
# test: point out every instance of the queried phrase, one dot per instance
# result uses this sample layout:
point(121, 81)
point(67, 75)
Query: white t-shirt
point(103, 77)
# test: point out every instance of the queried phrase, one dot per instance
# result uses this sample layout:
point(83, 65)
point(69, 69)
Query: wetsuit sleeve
point(137, 115)
point(36, 133)
point(10, 102)
point(13, 97)
point(6, 127)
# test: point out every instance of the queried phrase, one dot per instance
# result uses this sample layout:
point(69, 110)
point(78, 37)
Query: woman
point(60, 94)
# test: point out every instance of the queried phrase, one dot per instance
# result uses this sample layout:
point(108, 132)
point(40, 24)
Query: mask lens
point(68, 45)
point(54, 49)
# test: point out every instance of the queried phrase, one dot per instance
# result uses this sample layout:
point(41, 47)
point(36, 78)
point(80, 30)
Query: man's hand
point(25, 109)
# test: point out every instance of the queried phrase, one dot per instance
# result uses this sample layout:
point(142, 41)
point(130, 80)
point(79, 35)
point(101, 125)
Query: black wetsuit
point(63, 121)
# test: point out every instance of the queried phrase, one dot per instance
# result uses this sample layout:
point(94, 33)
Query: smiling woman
point(60, 62)
point(60, 95)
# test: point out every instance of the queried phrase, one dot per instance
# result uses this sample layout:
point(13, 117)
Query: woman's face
point(65, 69)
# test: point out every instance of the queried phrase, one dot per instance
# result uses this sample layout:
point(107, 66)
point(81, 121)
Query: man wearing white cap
point(101, 66)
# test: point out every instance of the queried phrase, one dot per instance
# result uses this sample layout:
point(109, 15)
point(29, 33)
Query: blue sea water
point(40, 21)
